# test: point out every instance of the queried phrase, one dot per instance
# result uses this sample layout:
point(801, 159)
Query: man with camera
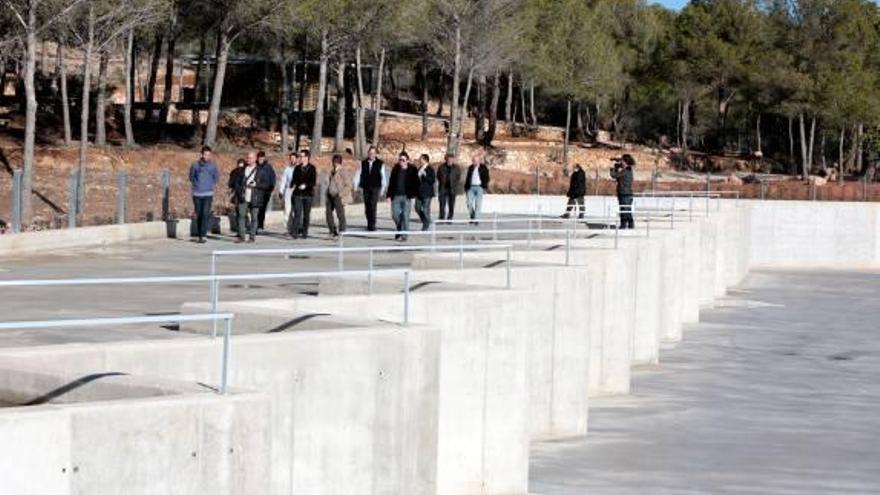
point(622, 172)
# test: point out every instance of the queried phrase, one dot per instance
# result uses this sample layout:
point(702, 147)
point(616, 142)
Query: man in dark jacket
point(426, 191)
point(448, 180)
point(372, 180)
point(403, 187)
point(476, 183)
point(270, 174)
point(203, 177)
point(255, 183)
point(302, 183)
point(577, 189)
point(622, 172)
point(236, 188)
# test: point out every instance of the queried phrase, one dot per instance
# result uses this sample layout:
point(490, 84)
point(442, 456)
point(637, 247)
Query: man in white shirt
point(476, 184)
point(284, 191)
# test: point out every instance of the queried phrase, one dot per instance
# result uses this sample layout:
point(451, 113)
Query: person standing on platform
point(403, 187)
point(622, 172)
point(256, 183)
point(338, 195)
point(372, 180)
point(203, 177)
point(426, 191)
point(269, 173)
point(577, 189)
point(448, 180)
point(303, 181)
point(476, 184)
point(284, 191)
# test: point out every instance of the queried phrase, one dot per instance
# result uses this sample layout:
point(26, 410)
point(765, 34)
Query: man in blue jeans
point(476, 183)
point(203, 176)
point(403, 187)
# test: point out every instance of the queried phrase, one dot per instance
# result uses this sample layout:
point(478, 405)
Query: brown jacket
point(343, 183)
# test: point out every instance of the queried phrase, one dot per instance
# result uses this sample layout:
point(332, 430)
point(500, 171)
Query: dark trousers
point(248, 218)
point(302, 214)
point(371, 199)
point(626, 216)
point(202, 205)
point(576, 203)
point(447, 199)
point(423, 208)
point(334, 205)
point(262, 212)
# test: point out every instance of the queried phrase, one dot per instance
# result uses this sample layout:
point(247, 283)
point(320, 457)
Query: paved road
point(775, 392)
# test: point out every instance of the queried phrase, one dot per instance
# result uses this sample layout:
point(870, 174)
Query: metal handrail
point(130, 320)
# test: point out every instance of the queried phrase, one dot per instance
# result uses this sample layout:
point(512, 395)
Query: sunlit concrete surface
point(775, 391)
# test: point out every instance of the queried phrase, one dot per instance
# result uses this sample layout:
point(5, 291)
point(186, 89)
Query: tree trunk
point(101, 102)
point(285, 102)
point(685, 125)
point(217, 93)
point(377, 102)
point(840, 153)
point(567, 136)
point(810, 150)
point(318, 127)
point(169, 73)
point(129, 87)
point(2, 74)
point(302, 91)
point(791, 145)
point(462, 112)
point(493, 110)
point(532, 105)
point(522, 97)
point(154, 72)
point(84, 116)
point(480, 114)
point(424, 103)
point(803, 132)
point(65, 103)
point(451, 145)
point(678, 125)
point(30, 126)
point(758, 133)
point(860, 140)
point(360, 118)
point(441, 92)
point(339, 146)
point(508, 103)
point(197, 83)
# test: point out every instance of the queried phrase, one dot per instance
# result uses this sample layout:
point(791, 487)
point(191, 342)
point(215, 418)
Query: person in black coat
point(403, 187)
point(302, 183)
point(372, 180)
point(622, 172)
point(448, 186)
point(236, 191)
point(577, 189)
point(270, 175)
point(426, 191)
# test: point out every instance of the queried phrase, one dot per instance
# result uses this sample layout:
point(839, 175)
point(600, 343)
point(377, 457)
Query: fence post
point(165, 184)
point(121, 196)
point(224, 371)
point(406, 298)
point(72, 202)
point(508, 267)
point(16, 200)
point(567, 247)
point(865, 188)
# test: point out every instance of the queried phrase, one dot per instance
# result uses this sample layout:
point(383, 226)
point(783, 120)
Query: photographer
point(622, 172)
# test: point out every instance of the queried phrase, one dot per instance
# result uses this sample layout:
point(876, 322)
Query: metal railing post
point(340, 256)
point(567, 247)
point(72, 203)
point(616, 236)
point(461, 252)
point(121, 192)
point(530, 234)
point(213, 291)
point(370, 275)
point(672, 215)
point(224, 371)
point(405, 298)
point(433, 237)
point(508, 267)
point(16, 200)
point(691, 207)
point(494, 225)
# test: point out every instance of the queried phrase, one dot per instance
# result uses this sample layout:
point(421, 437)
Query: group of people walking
point(410, 184)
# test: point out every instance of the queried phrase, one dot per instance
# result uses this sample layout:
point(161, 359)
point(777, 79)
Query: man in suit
point(426, 191)
point(622, 172)
point(577, 189)
point(476, 183)
point(254, 184)
point(269, 172)
point(403, 187)
point(302, 183)
point(372, 180)
point(448, 180)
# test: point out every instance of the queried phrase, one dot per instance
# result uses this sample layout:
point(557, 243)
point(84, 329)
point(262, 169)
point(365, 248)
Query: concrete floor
point(776, 391)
